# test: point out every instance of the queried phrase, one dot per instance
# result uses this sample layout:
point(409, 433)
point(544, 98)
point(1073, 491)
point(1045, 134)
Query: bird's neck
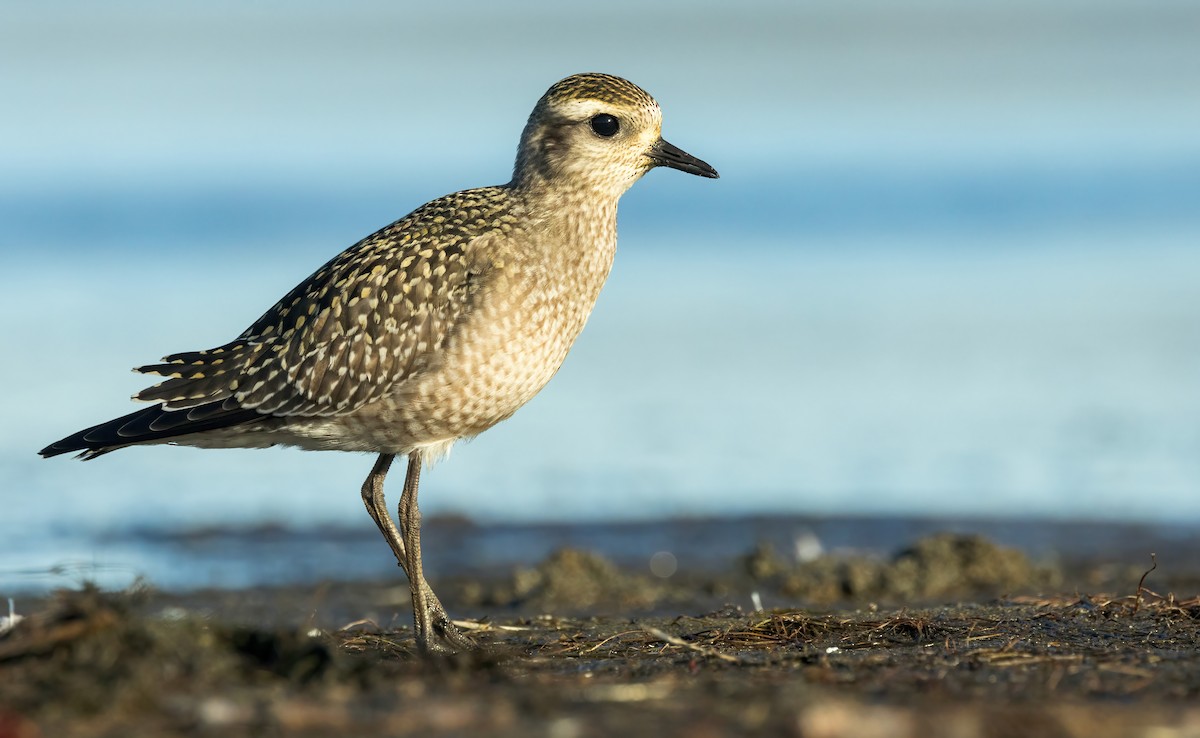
point(579, 226)
point(582, 215)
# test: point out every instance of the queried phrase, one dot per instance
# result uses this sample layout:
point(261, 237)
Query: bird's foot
point(434, 631)
point(441, 636)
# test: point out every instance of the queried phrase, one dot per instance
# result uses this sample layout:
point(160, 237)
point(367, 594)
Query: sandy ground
point(953, 636)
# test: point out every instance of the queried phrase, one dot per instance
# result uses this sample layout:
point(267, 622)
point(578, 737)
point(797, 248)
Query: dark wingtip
point(147, 425)
point(74, 442)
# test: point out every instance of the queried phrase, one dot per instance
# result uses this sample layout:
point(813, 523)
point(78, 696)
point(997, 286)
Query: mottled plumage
point(432, 329)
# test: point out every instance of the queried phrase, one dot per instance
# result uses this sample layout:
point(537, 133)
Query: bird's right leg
point(372, 494)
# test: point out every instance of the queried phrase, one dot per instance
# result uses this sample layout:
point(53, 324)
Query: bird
point(429, 331)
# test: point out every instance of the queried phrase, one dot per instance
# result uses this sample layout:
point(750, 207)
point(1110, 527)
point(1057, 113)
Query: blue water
point(951, 267)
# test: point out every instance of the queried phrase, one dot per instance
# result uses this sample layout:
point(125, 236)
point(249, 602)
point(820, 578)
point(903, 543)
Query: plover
point(429, 331)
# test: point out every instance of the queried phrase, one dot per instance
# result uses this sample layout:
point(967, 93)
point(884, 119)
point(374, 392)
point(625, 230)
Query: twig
point(1142, 582)
point(703, 650)
point(356, 623)
point(481, 625)
point(606, 640)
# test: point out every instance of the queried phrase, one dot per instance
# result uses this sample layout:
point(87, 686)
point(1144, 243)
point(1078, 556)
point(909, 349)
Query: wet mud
point(950, 636)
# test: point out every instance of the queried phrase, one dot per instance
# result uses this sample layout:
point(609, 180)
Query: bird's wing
point(373, 317)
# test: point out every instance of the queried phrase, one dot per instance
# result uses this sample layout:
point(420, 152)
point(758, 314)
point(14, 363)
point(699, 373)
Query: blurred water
point(951, 266)
point(241, 556)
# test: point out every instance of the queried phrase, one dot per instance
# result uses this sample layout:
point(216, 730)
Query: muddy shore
point(952, 635)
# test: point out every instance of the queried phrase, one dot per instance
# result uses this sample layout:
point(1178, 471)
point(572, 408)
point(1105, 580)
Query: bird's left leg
point(434, 630)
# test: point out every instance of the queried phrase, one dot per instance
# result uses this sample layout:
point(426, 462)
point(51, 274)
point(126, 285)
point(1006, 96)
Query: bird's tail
point(149, 425)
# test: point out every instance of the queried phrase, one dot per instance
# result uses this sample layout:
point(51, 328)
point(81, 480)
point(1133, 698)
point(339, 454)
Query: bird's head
point(597, 132)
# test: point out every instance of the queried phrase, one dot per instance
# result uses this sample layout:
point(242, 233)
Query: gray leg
point(372, 494)
point(435, 631)
point(428, 613)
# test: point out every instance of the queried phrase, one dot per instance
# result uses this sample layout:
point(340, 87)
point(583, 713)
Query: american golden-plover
point(429, 331)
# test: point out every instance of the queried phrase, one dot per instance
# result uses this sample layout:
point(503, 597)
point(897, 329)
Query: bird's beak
point(664, 154)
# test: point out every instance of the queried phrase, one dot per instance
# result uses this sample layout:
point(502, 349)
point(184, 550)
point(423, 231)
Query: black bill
point(664, 154)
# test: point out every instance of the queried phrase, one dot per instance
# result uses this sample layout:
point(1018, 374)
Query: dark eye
point(605, 125)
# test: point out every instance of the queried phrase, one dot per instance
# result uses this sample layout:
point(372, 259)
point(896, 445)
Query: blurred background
point(950, 269)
